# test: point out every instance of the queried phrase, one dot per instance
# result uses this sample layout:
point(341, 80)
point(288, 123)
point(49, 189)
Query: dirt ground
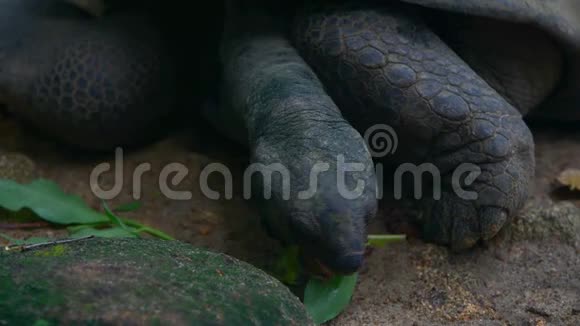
point(529, 275)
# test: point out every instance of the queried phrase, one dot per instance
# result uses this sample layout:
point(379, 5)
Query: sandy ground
point(529, 275)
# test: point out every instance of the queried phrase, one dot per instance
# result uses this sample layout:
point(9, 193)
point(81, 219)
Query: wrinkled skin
point(292, 126)
point(302, 91)
point(396, 70)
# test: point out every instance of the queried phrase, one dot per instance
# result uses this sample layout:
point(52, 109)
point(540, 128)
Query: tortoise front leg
point(299, 141)
point(385, 66)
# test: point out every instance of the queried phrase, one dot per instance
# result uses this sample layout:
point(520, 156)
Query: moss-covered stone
point(17, 167)
point(137, 281)
point(22, 169)
point(546, 219)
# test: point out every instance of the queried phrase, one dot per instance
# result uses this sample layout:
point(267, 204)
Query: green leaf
point(48, 201)
point(140, 228)
point(42, 322)
point(324, 300)
point(288, 268)
point(128, 207)
point(76, 228)
point(114, 218)
point(115, 232)
point(382, 240)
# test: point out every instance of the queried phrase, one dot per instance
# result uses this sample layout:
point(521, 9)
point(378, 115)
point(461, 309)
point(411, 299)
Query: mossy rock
point(141, 282)
point(17, 167)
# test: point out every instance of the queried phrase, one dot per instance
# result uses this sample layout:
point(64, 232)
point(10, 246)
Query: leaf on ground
point(570, 178)
point(48, 201)
point(115, 232)
point(381, 240)
point(324, 300)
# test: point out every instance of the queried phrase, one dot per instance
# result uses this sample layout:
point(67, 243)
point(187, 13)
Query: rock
point(137, 281)
point(542, 220)
point(17, 167)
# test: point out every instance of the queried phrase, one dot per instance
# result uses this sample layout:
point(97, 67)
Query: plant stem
point(379, 240)
point(142, 228)
point(387, 237)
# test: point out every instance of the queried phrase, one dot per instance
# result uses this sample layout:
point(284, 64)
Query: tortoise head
point(328, 225)
point(332, 236)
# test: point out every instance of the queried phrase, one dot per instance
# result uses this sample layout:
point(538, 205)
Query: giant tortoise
point(301, 84)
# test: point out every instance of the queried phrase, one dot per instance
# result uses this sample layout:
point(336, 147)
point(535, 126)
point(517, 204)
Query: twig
point(44, 244)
